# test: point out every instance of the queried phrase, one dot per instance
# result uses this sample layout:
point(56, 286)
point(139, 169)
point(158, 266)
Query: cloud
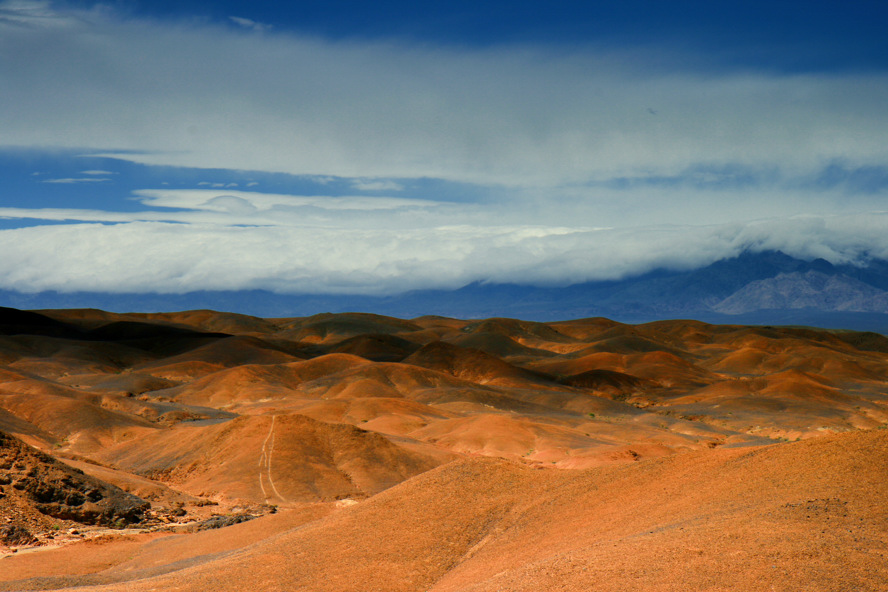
point(232, 205)
point(70, 180)
point(203, 95)
point(152, 256)
point(364, 185)
point(29, 13)
point(200, 198)
point(567, 164)
point(220, 239)
point(228, 208)
point(250, 24)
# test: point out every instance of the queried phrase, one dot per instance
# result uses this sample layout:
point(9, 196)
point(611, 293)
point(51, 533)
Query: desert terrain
point(213, 451)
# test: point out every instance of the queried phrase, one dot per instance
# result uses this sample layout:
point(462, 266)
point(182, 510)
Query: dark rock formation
point(60, 491)
point(221, 522)
point(13, 535)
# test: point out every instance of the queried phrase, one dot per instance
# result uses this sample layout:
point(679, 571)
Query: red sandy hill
point(358, 452)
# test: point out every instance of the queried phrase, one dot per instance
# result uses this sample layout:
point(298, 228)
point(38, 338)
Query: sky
point(376, 148)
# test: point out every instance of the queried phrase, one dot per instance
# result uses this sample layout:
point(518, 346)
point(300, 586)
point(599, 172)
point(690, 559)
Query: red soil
point(441, 454)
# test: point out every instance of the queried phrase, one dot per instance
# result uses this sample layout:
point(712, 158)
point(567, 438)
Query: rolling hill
point(358, 451)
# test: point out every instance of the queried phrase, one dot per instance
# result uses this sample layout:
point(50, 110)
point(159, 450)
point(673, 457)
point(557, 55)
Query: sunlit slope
point(809, 515)
point(274, 459)
point(572, 393)
point(446, 454)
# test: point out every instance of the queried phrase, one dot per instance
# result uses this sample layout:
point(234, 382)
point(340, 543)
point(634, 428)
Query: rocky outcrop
point(60, 491)
point(14, 535)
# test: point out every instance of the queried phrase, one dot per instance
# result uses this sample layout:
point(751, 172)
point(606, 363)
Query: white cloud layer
point(232, 242)
point(212, 96)
point(602, 164)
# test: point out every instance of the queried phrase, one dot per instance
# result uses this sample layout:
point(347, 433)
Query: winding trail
point(265, 465)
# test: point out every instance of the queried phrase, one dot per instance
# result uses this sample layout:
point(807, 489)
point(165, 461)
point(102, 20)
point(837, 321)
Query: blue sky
point(379, 147)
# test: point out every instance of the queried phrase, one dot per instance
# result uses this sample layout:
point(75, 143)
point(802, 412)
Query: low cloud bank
point(168, 257)
point(578, 163)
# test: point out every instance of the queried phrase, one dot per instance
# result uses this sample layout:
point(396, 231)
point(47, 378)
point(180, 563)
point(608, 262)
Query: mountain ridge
point(751, 288)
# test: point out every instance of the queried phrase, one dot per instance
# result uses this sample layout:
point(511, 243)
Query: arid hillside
point(202, 450)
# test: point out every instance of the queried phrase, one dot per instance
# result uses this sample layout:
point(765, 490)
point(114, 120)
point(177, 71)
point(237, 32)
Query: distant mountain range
point(754, 288)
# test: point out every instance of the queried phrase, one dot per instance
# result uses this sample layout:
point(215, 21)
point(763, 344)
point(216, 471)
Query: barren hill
point(444, 454)
point(35, 487)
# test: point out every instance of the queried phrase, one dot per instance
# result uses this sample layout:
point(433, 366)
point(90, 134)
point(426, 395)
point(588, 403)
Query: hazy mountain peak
point(811, 289)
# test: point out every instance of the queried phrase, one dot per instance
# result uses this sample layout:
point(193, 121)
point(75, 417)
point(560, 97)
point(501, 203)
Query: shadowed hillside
point(461, 455)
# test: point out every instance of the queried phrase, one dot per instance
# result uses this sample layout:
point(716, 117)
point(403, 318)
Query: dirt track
point(440, 454)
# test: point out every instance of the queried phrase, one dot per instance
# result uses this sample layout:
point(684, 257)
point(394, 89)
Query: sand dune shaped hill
point(251, 382)
point(579, 362)
point(397, 379)
point(658, 367)
point(329, 328)
point(435, 328)
point(376, 347)
point(740, 361)
point(584, 330)
point(234, 385)
point(527, 333)
point(152, 341)
point(727, 519)
point(683, 332)
point(840, 368)
point(394, 417)
point(606, 380)
point(275, 459)
point(54, 357)
point(74, 423)
point(794, 345)
point(541, 441)
point(500, 435)
point(133, 383)
point(210, 321)
point(85, 319)
point(449, 455)
point(25, 322)
point(474, 365)
point(230, 351)
point(623, 341)
point(501, 346)
point(25, 431)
